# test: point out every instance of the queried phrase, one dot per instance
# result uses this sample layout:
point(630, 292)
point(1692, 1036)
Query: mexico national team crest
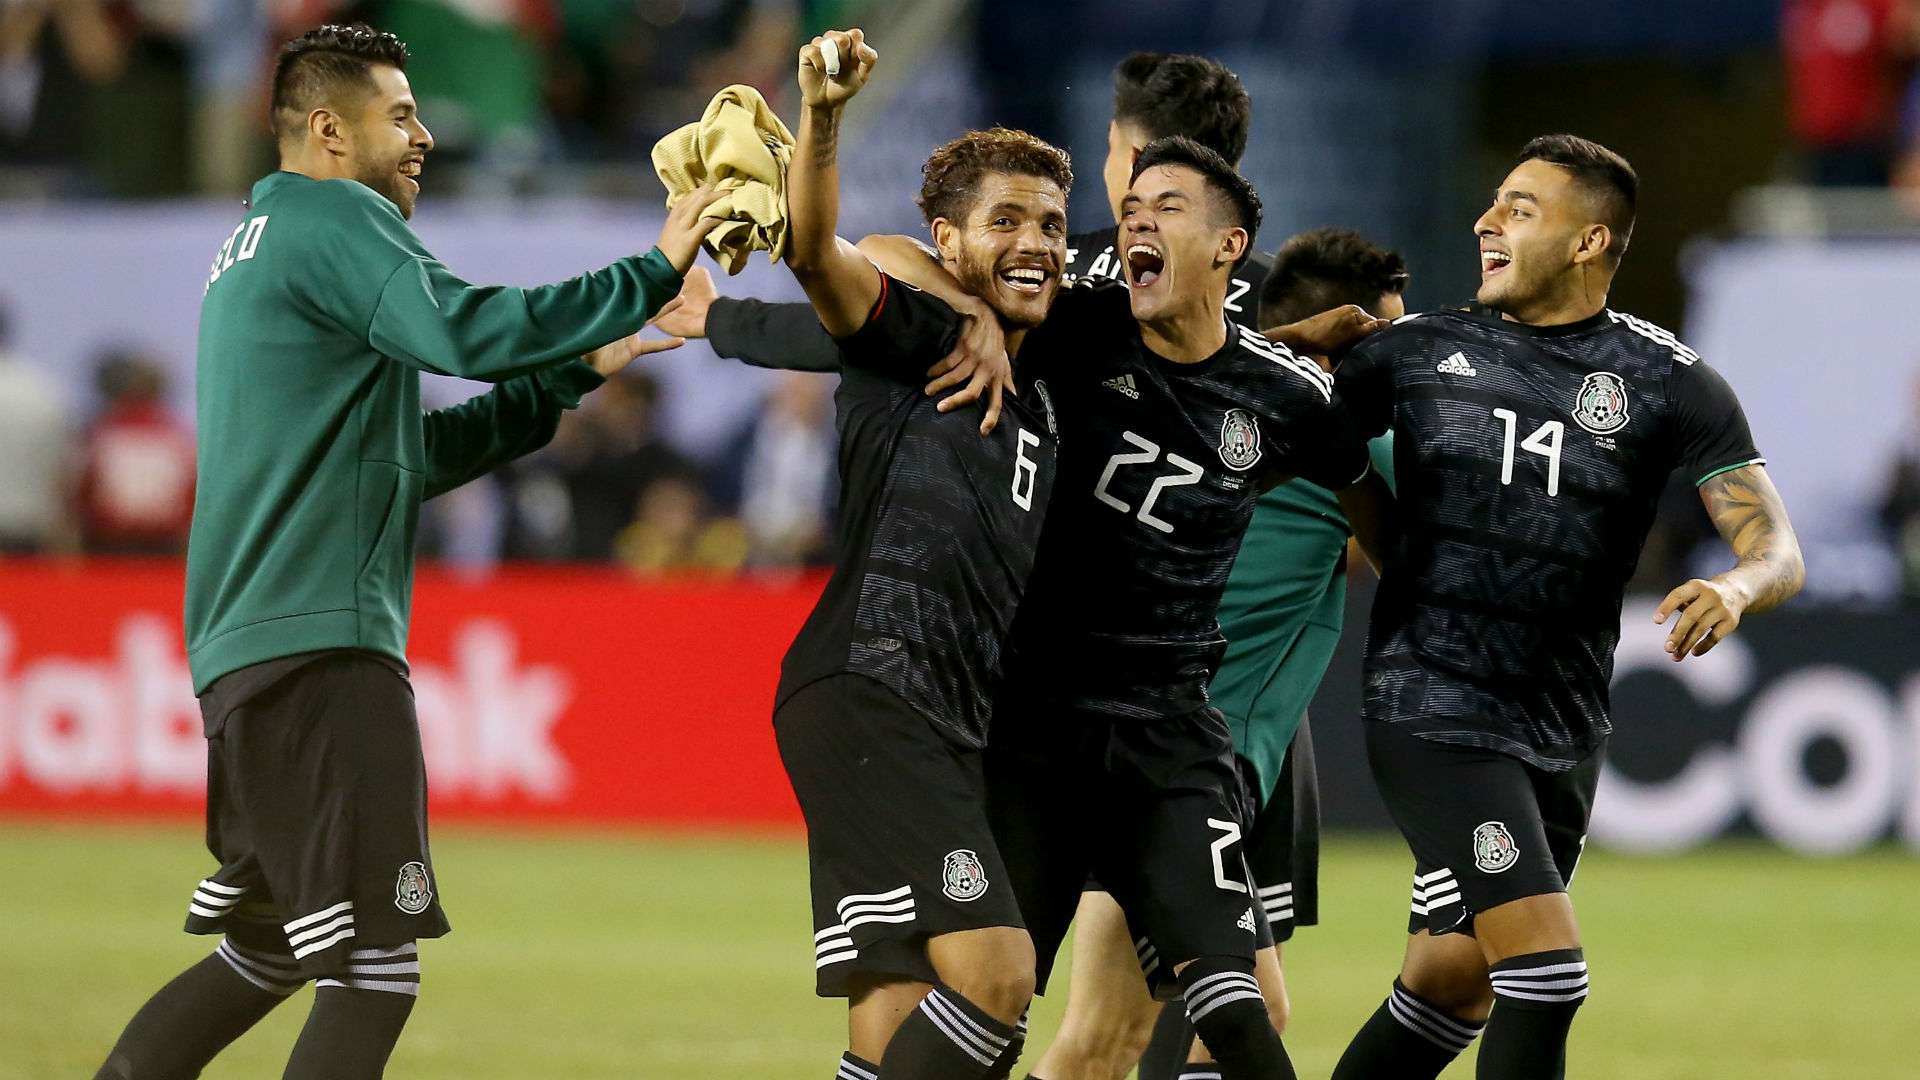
point(1239, 440)
point(963, 878)
point(1046, 400)
point(413, 892)
point(1493, 847)
point(1601, 405)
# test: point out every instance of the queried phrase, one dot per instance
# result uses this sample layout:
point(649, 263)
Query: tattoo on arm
point(1746, 508)
point(826, 137)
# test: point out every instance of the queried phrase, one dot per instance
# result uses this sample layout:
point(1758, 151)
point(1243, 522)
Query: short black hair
point(1166, 94)
point(951, 176)
point(1602, 173)
point(1323, 269)
point(319, 63)
point(1236, 190)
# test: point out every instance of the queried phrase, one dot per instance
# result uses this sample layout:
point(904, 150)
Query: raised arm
point(1746, 509)
point(842, 285)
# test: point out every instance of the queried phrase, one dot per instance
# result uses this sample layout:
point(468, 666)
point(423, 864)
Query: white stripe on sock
point(955, 1036)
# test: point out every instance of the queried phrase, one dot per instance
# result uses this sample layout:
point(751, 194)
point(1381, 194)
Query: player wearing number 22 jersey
point(1105, 756)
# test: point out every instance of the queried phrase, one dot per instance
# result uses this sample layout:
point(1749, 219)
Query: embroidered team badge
point(1493, 847)
point(413, 891)
point(1239, 440)
point(1601, 404)
point(963, 878)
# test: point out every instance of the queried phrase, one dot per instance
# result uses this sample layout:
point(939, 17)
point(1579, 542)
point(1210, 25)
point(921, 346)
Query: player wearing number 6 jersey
point(884, 700)
point(1533, 435)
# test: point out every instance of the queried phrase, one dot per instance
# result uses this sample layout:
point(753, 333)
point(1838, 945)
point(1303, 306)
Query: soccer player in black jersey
point(1155, 96)
point(1106, 757)
point(1533, 435)
point(883, 704)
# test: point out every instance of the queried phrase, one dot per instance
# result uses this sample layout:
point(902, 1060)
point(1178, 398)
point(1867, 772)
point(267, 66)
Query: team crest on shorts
point(1239, 440)
point(1601, 404)
point(413, 891)
point(1493, 847)
point(962, 878)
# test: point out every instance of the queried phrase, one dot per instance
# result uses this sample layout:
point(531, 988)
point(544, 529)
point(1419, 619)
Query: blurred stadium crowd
point(150, 99)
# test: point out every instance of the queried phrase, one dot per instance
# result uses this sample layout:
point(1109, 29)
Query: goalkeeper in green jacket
point(321, 310)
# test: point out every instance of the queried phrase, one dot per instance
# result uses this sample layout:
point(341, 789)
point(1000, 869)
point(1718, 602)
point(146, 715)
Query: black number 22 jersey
point(1160, 466)
point(1529, 461)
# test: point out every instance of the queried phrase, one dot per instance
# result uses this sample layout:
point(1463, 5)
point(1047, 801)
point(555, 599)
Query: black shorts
point(897, 838)
point(317, 811)
point(1150, 809)
point(1485, 828)
point(1283, 844)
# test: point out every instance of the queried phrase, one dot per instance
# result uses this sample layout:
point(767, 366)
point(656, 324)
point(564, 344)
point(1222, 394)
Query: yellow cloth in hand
point(743, 148)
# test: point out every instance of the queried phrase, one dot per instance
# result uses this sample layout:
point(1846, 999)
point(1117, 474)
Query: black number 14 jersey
point(1528, 462)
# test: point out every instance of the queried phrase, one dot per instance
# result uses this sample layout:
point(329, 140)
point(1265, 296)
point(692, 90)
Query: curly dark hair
point(953, 171)
point(323, 61)
point(1165, 94)
point(1322, 269)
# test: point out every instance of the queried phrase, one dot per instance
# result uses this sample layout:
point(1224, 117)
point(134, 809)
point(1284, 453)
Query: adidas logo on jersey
point(1246, 921)
point(1124, 384)
point(1456, 365)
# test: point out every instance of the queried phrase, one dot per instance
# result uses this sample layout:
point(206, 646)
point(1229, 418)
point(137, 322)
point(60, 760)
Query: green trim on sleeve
point(1729, 468)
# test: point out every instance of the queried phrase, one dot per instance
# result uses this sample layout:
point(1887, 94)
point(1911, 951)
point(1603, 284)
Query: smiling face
point(1010, 249)
point(385, 143)
point(1178, 240)
point(1534, 239)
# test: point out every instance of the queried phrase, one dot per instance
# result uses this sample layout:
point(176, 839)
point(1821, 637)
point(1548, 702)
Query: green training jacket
point(321, 311)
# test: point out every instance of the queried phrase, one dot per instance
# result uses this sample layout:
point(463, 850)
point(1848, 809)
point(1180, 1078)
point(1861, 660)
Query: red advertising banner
point(562, 694)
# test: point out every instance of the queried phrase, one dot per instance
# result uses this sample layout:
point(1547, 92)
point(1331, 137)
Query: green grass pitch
point(679, 956)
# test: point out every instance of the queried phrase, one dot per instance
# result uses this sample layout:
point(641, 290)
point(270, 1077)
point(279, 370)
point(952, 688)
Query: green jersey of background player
point(321, 309)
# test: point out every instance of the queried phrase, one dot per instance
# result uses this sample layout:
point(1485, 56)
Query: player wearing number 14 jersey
point(1533, 435)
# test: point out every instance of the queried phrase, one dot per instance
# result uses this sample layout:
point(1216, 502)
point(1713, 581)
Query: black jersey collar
point(1482, 313)
point(1197, 367)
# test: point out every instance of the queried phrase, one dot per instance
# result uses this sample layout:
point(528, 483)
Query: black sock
point(195, 1016)
point(946, 1038)
point(855, 1067)
point(1003, 1069)
point(1226, 1010)
point(349, 1034)
point(1407, 1038)
point(1534, 999)
point(1167, 1050)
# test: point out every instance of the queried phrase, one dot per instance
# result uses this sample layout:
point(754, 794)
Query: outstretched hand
point(608, 360)
point(979, 359)
point(1328, 332)
point(834, 67)
point(1709, 613)
point(686, 226)
point(685, 315)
